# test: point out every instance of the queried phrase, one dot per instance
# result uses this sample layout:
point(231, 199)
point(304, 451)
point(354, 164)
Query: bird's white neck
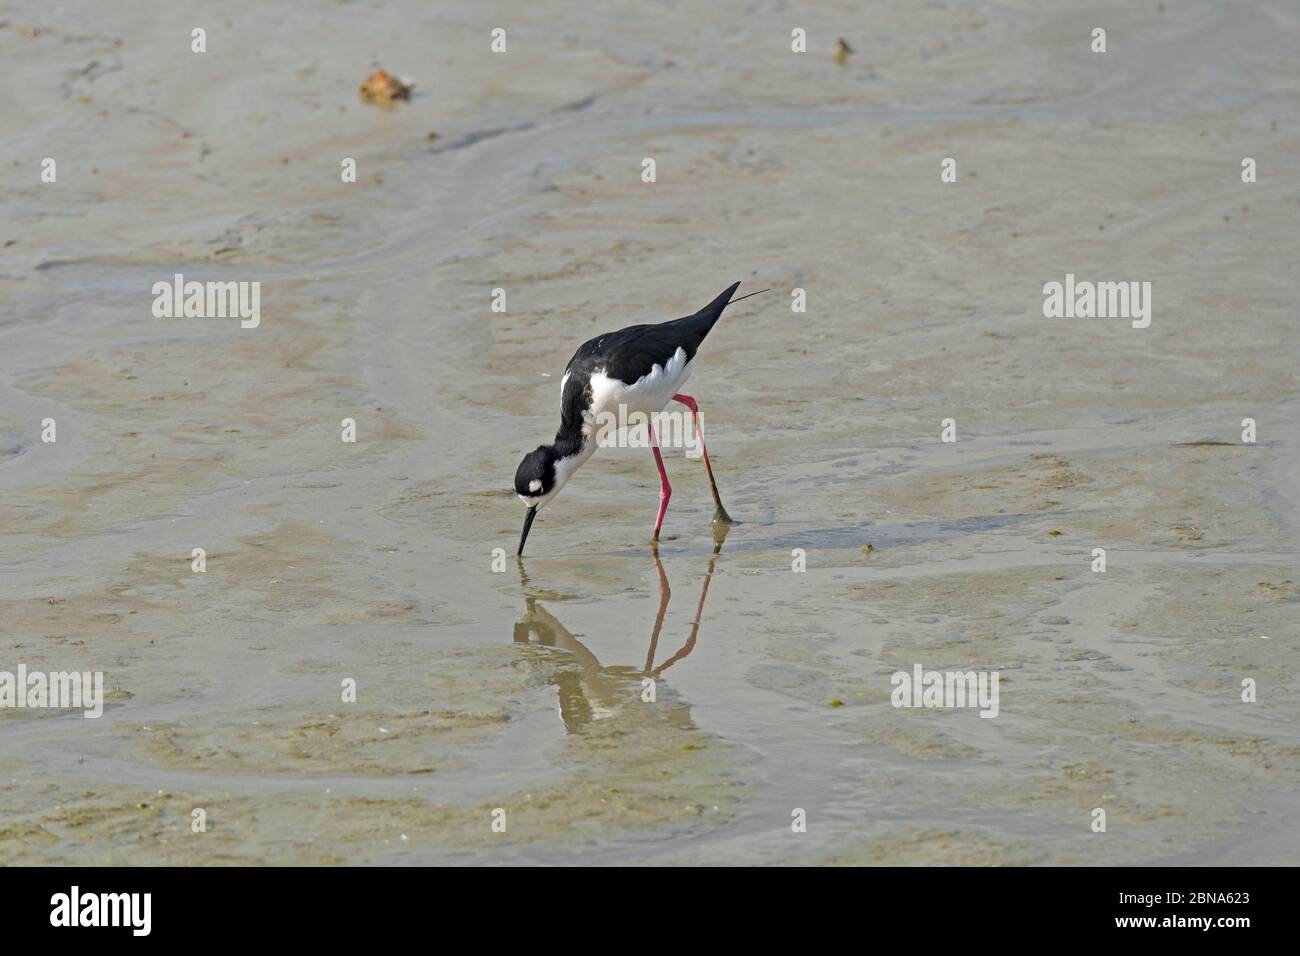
point(565, 467)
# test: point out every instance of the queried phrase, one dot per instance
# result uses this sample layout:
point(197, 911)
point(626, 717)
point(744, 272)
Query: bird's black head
point(541, 475)
point(536, 481)
point(535, 476)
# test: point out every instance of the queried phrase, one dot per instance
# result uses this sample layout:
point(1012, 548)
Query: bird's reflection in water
point(594, 690)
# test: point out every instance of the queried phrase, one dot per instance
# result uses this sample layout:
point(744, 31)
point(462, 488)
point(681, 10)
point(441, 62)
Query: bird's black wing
point(633, 352)
point(628, 353)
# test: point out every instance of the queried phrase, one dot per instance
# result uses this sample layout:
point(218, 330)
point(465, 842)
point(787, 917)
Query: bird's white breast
point(648, 394)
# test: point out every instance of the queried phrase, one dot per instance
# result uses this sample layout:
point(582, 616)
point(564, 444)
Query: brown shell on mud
point(382, 87)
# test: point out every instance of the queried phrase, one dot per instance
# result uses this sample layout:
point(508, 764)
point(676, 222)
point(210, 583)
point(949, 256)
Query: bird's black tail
point(704, 319)
point(710, 313)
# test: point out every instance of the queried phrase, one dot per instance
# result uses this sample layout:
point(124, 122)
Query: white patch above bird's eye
point(535, 485)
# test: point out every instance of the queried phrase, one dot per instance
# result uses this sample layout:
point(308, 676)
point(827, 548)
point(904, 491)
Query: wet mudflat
point(522, 689)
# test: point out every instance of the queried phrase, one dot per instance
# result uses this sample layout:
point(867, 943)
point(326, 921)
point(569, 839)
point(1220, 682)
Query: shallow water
point(521, 689)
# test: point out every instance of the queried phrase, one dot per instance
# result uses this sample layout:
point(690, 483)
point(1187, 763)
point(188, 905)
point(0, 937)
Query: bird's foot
point(720, 529)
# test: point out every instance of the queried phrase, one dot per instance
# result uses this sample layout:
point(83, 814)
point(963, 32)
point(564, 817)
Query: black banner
point(334, 905)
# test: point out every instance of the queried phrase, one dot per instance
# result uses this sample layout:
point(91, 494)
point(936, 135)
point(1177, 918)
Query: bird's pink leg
point(665, 489)
point(721, 513)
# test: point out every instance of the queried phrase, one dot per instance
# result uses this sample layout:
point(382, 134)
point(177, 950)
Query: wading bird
point(640, 368)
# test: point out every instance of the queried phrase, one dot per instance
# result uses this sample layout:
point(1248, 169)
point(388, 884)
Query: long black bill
point(528, 523)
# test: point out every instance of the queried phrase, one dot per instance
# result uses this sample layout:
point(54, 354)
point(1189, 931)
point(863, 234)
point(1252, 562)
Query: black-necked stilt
point(640, 368)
